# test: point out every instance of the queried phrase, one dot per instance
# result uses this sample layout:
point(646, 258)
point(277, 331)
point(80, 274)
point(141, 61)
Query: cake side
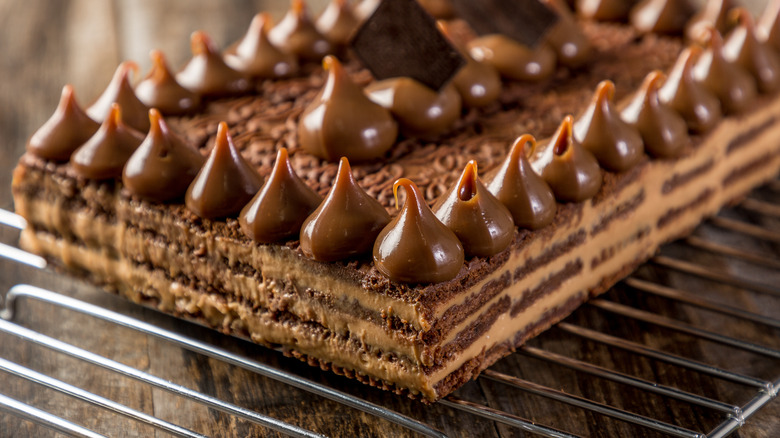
point(538, 278)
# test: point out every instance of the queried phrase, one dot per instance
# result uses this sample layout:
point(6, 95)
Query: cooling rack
point(686, 346)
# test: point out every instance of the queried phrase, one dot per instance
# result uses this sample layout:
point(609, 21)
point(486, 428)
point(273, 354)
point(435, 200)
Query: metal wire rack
point(746, 236)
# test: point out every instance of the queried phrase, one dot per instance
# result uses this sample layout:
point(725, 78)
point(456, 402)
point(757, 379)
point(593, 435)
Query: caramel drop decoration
point(421, 111)
point(119, 90)
point(163, 165)
point(478, 83)
point(768, 27)
point(512, 59)
point(206, 72)
point(297, 34)
point(733, 86)
point(346, 223)
point(342, 122)
point(67, 129)
point(661, 16)
point(337, 22)
point(482, 223)
point(572, 47)
point(743, 48)
point(604, 10)
point(521, 190)
point(571, 171)
point(160, 90)
point(695, 103)
point(415, 247)
point(616, 145)
point(713, 14)
point(255, 56)
point(663, 130)
point(104, 155)
point(225, 183)
point(280, 207)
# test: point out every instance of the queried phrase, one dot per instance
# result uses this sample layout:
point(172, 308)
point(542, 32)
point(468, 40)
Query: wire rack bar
point(669, 323)
point(705, 272)
point(502, 417)
point(541, 390)
point(45, 419)
point(761, 207)
point(636, 382)
point(695, 300)
point(32, 292)
point(22, 257)
point(731, 424)
point(12, 219)
point(127, 371)
point(664, 356)
point(746, 228)
point(765, 260)
point(70, 390)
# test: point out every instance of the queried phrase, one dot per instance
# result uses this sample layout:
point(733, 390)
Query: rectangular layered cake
point(421, 338)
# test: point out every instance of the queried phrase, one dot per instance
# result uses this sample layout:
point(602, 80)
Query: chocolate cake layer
point(422, 339)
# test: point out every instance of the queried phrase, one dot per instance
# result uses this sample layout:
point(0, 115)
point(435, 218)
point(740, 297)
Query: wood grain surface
point(46, 44)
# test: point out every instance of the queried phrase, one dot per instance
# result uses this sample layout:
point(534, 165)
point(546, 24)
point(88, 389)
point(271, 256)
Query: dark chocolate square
point(526, 21)
point(401, 39)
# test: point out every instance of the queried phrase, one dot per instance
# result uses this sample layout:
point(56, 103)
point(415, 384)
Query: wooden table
point(46, 44)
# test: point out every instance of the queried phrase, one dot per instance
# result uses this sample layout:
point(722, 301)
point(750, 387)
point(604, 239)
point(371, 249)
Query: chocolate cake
point(405, 236)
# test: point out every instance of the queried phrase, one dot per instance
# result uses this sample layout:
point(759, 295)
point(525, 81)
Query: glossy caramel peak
point(163, 165)
point(713, 14)
point(733, 86)
point(482, 223)
point(572, 47)
point(513, 59)
point(571, 171)
point(342, 122)
point(225, 183)
point(206, 72)
point(278, 210)
point(743, 48)
point(692, 100)
point(67, 129)
point(255, 55)
point(768, 27)
point(346, 223)
point(528, 198)
point(104, 155)
point(297, 34)
point(616, 145)
point(421, 111)
point(478, 83)
point(119, 90)
point(415, 247)
point(604, 10)
point(661, 16)
point(664, 131)
point(337, 22)
point(160, 90)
